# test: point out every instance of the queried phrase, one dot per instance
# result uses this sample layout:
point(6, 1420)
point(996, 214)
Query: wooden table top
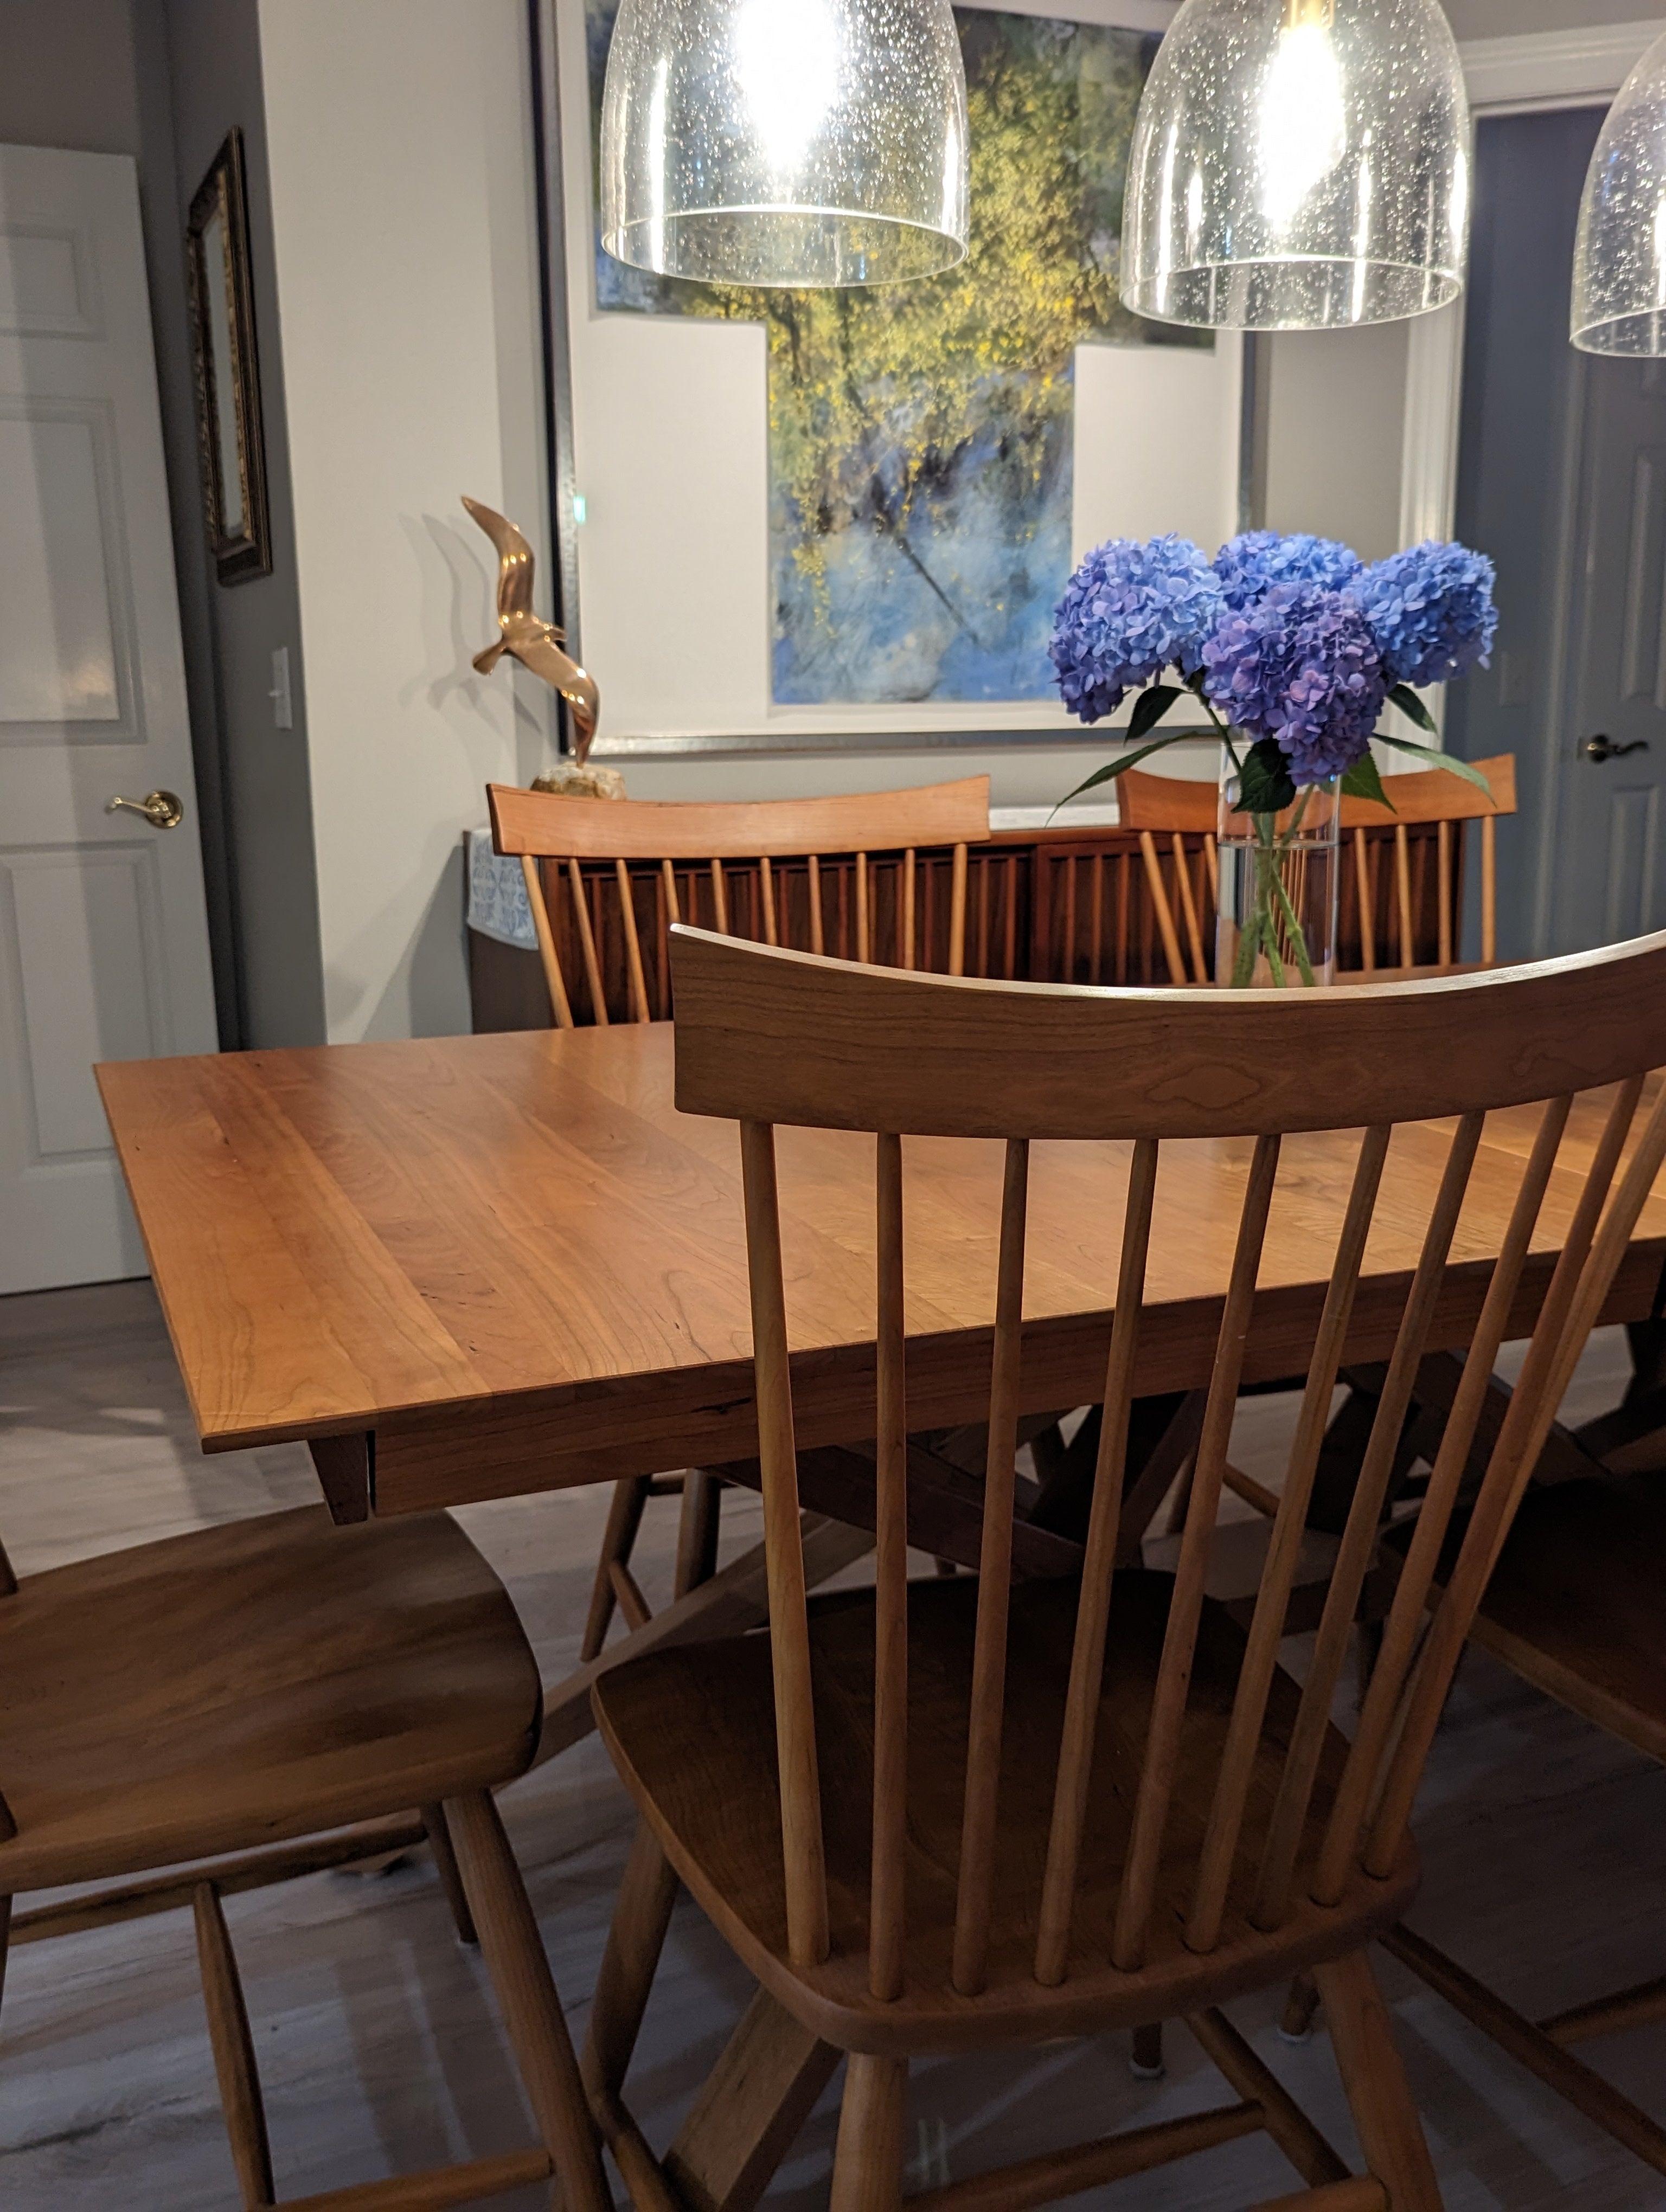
point(512, 1260)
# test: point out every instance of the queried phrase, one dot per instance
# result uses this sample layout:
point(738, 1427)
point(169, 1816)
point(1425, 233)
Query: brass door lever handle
point(1604, 749)
point(162, 810)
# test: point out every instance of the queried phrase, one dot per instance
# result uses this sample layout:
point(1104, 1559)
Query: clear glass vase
point(1275, 926)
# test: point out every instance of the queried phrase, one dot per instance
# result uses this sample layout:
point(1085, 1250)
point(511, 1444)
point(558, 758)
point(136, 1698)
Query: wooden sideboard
point(1056, 905)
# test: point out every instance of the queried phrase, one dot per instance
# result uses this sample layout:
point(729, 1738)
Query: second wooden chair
point(859, 876)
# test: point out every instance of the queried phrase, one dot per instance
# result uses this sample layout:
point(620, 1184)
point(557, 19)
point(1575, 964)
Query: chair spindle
point(1183, 874)
point(1520, 1440)
point(802, 1845)
point(1093, 1611)
point(1359, 1535)
point(978, 1838)
point(890, 1651)
point(560, 1006)
point(588, 943)
point(1168, 1712)
point(1367, 903)
point(1404, 1624)
point(1278, 1573)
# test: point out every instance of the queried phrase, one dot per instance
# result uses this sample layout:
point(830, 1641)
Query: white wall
point(405, 230)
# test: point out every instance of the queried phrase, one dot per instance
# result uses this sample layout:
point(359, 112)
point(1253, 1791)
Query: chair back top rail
point(769, 1035)
point(1171, 802)
point(552, 825)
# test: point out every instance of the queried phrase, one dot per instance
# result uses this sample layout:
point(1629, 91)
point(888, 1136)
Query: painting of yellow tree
point(921, 435)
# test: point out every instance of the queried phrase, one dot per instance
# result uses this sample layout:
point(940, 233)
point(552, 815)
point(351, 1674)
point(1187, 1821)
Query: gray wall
point(67, 75)
point(211, 50)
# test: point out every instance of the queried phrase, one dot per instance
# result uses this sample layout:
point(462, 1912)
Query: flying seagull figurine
point(536, 644)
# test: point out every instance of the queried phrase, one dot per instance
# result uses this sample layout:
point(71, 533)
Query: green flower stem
point(1297, 936)
point(1243, 967)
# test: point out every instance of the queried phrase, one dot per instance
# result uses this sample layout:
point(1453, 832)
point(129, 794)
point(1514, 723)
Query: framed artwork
point(796, 520)
point(228, 370)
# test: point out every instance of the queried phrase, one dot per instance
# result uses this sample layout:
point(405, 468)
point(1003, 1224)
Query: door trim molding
point(1554, 69)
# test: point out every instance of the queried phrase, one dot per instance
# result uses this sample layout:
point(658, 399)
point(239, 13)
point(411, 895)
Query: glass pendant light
point(803, 143)
point(1299, 164)
point(1619, 260)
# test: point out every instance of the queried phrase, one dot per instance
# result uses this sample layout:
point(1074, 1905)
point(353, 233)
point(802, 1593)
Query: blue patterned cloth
point(497, 896)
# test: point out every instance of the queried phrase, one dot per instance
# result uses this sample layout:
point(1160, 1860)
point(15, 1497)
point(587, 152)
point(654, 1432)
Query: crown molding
point(1555, 68)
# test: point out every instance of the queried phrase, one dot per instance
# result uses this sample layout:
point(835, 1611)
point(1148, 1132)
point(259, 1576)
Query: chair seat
point(246, 1684)
point(692, 1733)
point(1574, 1604)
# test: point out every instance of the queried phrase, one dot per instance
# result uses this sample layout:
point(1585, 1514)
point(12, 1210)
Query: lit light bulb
point(1304, 121)
point(786, 54)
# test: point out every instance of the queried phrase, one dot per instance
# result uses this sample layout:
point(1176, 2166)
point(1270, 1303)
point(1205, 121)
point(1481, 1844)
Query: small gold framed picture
point(228, 370)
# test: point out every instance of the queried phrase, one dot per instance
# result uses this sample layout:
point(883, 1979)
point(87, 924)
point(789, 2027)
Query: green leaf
point(1265, 785)
point(1409, 704)
point(1150, 708)
point(1438, 759)
point(1115, 768)
point(1365, 780)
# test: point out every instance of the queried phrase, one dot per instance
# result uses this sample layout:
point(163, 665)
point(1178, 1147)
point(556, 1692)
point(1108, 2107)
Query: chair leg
point(624, 1517)
point(1145, 2059)
point(532, 2018)
point(635, 1941)
point(445, 1862)
point(5, 1938)
point(696, 1533)
point(1300, 2010)
point(233, 2050)
point(1374, 2080)
point(867, 2165)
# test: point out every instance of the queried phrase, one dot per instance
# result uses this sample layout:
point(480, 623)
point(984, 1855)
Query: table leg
point(744, 2121)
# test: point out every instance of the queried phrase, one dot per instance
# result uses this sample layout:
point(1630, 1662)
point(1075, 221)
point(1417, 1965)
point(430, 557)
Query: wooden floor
point(374, 2035)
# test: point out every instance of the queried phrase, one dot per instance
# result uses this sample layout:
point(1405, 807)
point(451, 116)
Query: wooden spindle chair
point(192, 1705)
point(701, 861)
point(676, 861)
point(1384, 893)
point(948, 1815)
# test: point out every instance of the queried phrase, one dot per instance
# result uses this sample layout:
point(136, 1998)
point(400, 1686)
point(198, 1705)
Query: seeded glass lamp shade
point(1299, 164)
point(1619, 260)
point(802, 143)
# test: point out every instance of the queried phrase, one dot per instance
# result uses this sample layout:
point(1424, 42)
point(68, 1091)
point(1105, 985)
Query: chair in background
point(935, 1818)
point(1176, 822)
point(878, 876)
point(222, 1691)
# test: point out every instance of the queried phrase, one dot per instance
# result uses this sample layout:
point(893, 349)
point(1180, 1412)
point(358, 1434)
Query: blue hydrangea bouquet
point(1293, 647)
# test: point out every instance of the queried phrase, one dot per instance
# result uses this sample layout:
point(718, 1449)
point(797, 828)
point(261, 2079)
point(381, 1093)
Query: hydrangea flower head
point(1301, 666)
point(1130, 611)
point(1431, 610)
point(1248, 567)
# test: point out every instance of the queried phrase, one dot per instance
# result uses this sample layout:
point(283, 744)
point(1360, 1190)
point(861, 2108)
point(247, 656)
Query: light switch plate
point(283, 712)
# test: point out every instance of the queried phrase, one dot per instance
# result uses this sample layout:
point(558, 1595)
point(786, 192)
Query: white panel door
point(103, 935)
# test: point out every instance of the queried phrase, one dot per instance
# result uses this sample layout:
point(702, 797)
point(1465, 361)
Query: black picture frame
point(228, 420)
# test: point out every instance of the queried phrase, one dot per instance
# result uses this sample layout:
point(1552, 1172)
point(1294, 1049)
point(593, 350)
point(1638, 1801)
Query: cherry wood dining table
point(470, 1268)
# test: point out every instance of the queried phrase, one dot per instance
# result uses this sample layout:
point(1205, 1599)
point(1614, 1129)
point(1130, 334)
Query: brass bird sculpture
point(536, 644)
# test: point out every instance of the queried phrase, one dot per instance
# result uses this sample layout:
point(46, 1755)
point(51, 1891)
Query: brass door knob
point(162, 810)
